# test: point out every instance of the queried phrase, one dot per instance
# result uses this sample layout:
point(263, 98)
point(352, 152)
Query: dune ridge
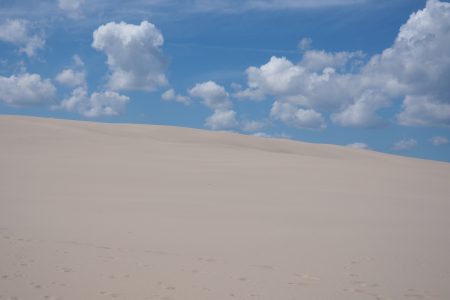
point(103, 211)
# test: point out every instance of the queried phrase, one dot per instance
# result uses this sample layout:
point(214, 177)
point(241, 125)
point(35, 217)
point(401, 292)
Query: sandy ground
point(102, 211)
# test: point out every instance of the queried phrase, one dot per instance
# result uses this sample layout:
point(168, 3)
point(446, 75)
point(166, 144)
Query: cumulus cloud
point(21, 33)
point(171, 95)
point(424, 111)
point(316, 61)
point(358, 146)
point(134, 55)
point(295, 83)
point(221, 120)
point(250, 94)
point(439, 140)
point(26, 90)
point(249, 126)
point(363, 112)
point(71, 7)
point(216, 98)
point(106, 103)
point(71, 78)
point(414, 69)
point(297, 117)
point(213, 95)
point(405, 144)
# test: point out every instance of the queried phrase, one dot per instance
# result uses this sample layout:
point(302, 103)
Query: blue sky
point(370, 74)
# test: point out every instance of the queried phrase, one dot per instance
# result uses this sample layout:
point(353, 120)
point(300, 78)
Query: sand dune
point(103, 211)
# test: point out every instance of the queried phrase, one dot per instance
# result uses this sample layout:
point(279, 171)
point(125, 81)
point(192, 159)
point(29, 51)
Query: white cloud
point(316, 61)
point(415, 68)
point(216, 98)
point(439, 140)
point(250, 94)
point(71, 78)
point(295, 83)
point(19, 32)
point(254, 125)
point(358, 146)
point(171, 95)
point(405, 144)
point(213, 95)
point(278, 76)
point(71, 7)
point(424, 111)
point(362, 113)
point(305, 44)
point(297, 117)
point(106, 103)
point(26, 90)
point(420, 61)
point(134, 55)
point(221, 120)
point(78, 61)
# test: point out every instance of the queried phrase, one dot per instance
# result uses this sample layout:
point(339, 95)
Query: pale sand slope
point(102, 211)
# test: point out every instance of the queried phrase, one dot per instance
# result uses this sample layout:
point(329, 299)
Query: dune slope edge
point(104, 211)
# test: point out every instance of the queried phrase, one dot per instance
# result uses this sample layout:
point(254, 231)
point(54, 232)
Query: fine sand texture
point(109, 211)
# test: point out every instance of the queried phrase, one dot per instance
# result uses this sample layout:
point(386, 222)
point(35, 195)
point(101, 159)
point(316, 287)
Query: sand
point(109, 211)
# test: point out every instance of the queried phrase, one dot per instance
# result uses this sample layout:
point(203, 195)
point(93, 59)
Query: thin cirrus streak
point(114, 8)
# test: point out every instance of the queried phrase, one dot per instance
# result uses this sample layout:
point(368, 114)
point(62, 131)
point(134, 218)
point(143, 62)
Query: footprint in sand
point(265, 267)
point(209, 260)
point(414, 296)
point(304, 280)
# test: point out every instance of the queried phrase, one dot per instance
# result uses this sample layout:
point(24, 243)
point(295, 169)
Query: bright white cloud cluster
point(107, 103)
point(221, 119)
point(26, 90)
point(71, 7)
point(134, 55)
point(416, 68)
point(216, 98)
point(71, 78)
point(20, 32)
point(97, 104)
point(297, 117)
point(316, 61)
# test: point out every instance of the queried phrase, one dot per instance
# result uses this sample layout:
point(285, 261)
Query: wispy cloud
point(75, 8)
point(228, 6)
point(405, 144)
